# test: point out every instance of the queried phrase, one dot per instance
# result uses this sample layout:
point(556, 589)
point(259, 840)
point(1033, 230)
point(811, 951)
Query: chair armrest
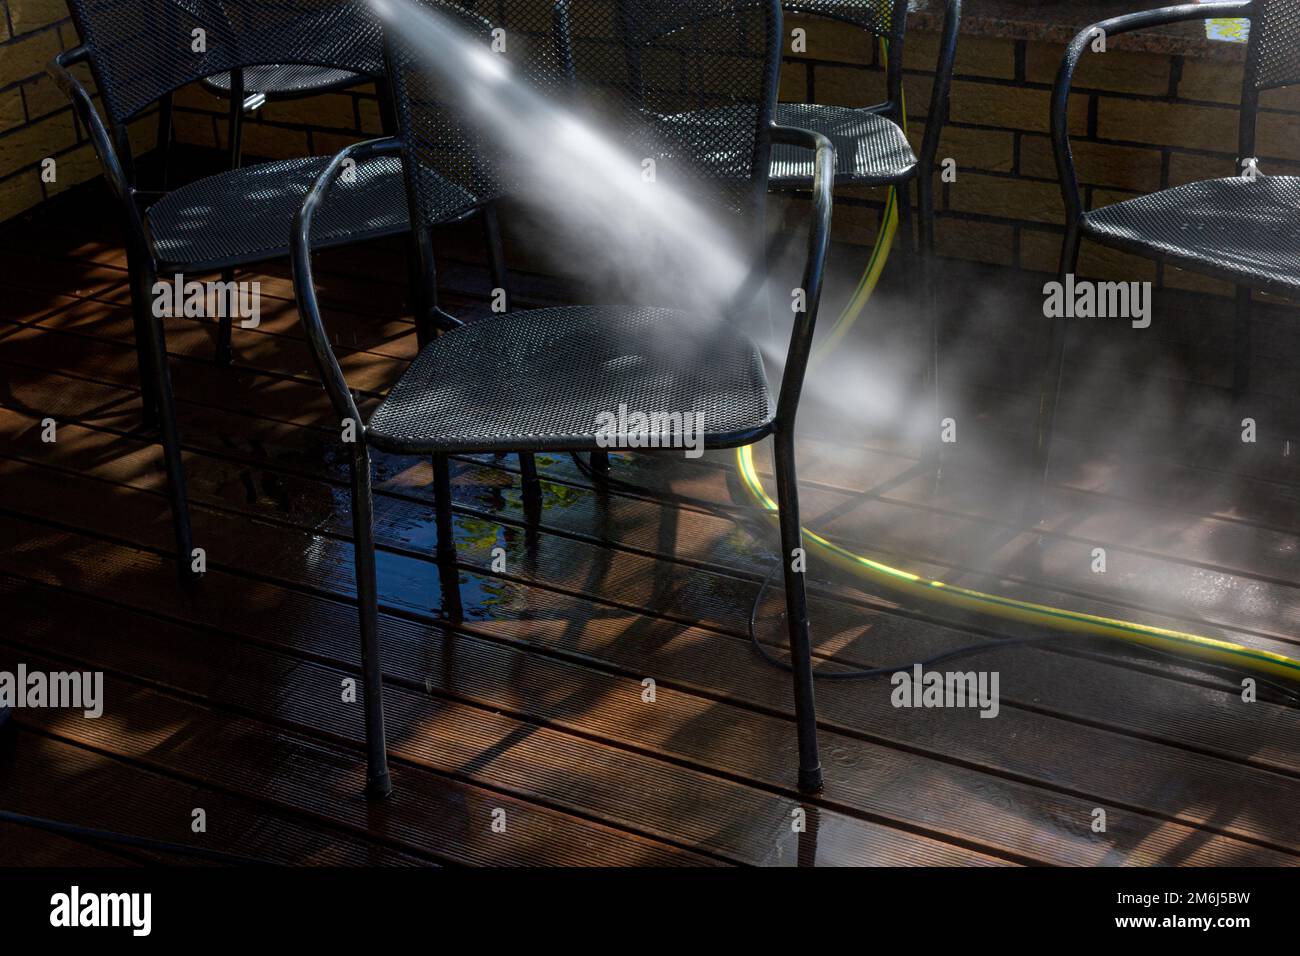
point(937, 118)
point(303, 285)
point(84, 109)
point(814, 265)
point(1065, 168)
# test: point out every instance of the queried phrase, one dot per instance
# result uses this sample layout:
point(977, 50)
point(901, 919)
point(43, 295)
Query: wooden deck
point(226, 696)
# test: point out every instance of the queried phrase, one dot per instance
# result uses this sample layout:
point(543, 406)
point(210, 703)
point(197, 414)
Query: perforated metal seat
point(244, 215)
point(286, 80)
point(540, 379)
point(1235, 229)
point(870, 149)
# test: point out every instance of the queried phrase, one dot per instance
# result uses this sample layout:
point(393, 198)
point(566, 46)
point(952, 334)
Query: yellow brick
point(1278, 135)
point(847, 86)
point(193, 128)
point(75, 167)
point(30, 144)
point(330, 111)
point(1213, 82)
point(917, 90)
point(330, 144)
point(371, 118)
point(794, 83)
point(976, 241)
point(1167, 124)
point(1111, 265)
point(1011, 107)
point(830, 40)
point(29, 55)
point(1285, 98)
point(43, 97)
point(851, 223)
point(1120, 71)
point(1102, 164)
point(1040, 251)
point(1006, 198)
point(195, 96)
point(271, 142)
point(976, 55)
point(19, 193)
point(143, 132)
point(1193, 167)
point(987, 149)
point(1176, 278)
point(11, 109)
point(28, 15)
point(1108, 197)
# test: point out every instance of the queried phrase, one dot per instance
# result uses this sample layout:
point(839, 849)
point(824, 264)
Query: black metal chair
point(141, 51)
point(871, 148)
point(540, 379)
point(1244, 229)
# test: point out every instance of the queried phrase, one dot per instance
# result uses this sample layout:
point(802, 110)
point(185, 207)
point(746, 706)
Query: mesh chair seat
point(286, 80)
point(245, 215)
point(541, 379)
point(1234, 229)
point(870, 149)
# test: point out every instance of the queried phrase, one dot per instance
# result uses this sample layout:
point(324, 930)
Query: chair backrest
point(690, 84)
point(1273, 58)
point(141, 50)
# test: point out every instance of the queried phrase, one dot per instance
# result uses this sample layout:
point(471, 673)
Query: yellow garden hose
point(1178, 642)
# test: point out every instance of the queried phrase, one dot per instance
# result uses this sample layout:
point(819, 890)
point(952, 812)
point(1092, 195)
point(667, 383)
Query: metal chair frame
point(113, 147)
point(781, 429)
point(1076, 227)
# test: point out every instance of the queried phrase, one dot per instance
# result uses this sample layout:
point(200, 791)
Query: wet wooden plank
point(733, 822)
point(303, 775)
point(60, 774)
point(1026, 745)
point(1090, 690)
point(974, 805)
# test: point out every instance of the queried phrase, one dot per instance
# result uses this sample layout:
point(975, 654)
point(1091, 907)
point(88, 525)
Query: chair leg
point(532, 486)
point(796, 604)
point(1050, 392)
point(930, 277)
point(225, 353)
point(378, 781)
point(1241, 350)
point(442, 506)
point(496, 252)
point(422, 271)
point(165, 124)
point(236, 118)
point(497, 267)
point(161, 375)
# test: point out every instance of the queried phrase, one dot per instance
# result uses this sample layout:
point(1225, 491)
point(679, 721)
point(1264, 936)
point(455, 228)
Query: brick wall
point(1141, 121)
point(36, 121)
